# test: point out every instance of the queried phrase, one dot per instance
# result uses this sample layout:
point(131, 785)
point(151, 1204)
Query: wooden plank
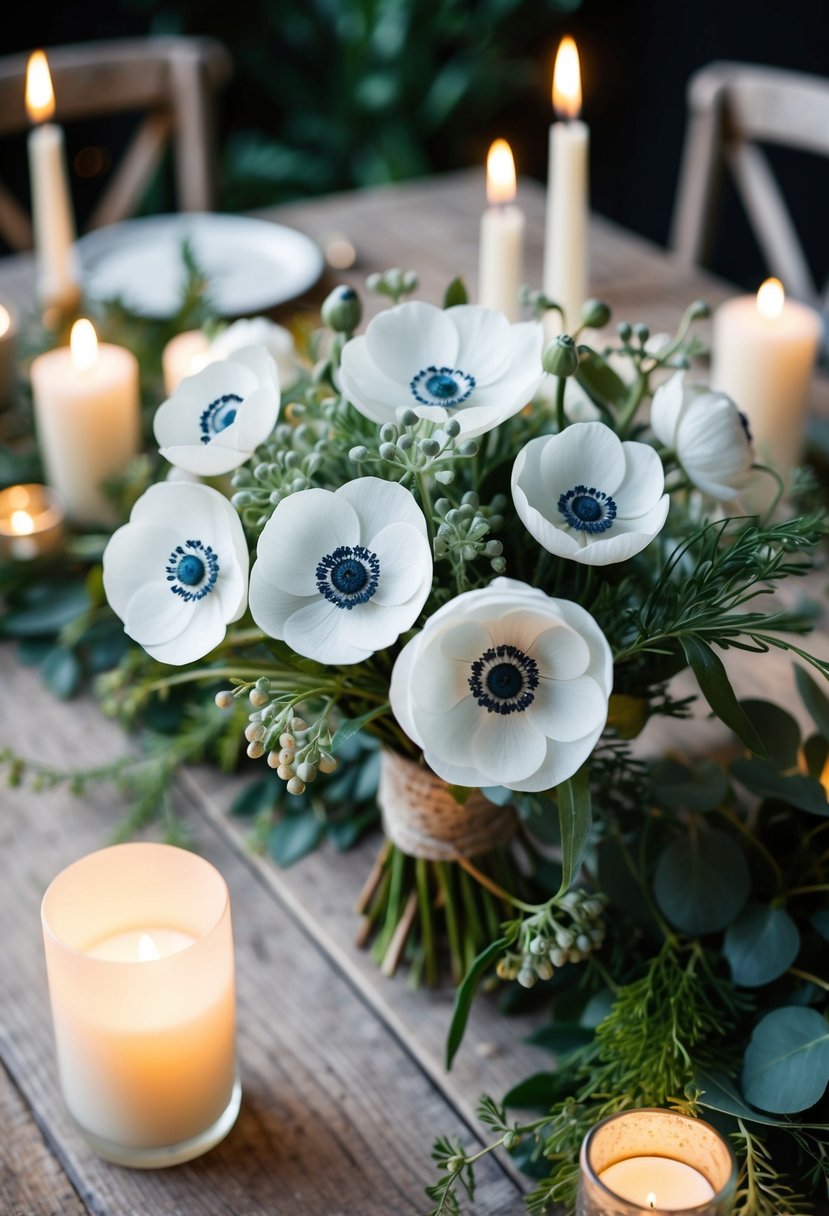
point(32, 1182)
point(337, 1117)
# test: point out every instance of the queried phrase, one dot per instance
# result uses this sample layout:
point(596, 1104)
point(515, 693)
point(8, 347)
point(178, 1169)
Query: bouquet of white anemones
point(477, 559)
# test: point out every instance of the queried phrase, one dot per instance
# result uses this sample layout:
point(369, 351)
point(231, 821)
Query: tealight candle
point(8, 357)
point(53, 220)
point(88, 419)
point(763, 350)
point(565, 234)
point(31, 522)
point(139, 959)
point(652, 1160)
point(183, 355)
point(501, 253)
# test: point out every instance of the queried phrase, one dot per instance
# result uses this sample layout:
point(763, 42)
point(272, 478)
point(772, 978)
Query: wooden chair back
point(170, 82)
point(732, 109)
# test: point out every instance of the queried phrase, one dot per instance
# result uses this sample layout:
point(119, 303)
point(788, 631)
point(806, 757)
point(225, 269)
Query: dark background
point(332, 94)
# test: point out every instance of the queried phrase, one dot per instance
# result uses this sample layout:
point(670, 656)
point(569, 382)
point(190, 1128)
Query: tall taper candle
point(565, 236)
point(501, 252)
point(52, 216)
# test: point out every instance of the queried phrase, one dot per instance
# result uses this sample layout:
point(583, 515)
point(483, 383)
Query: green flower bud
point(452, 428)
point(445, 477)
point(469, 448)
point(699, 310)
point(359, 454)
point(595, 314)
point(408, 418)
point(624, 330)
point(341, 310)
point(561, 358)
point(642, 332)
point(511, 1140)
point(388, 451)
point(454, 1165)
point(388, 432)
point(405, 443)
point(498, 565)
point(429, 447)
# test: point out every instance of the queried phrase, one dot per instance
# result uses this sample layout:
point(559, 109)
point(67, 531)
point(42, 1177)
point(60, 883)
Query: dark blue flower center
point(192, 570)
point(218, 416)
point(746, 426)
point(503, 679)
point(445, 386)
point(348, 576)
point(587, 509)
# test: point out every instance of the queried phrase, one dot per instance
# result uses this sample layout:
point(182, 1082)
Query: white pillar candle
point(565, 234)
point(52, 216)
point(501, 250)
point(139, 958)
point(652, 1160)
point(763, 352)
point(87, 418)
point(183, 355)
point(8, 357)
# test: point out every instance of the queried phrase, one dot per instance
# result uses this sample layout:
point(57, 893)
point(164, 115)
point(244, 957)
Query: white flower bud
point(584, 943)
point(298, 724)
point(295, 786)
point(286, 756)
point(255, 750)
point(327, 764)
point(306, 772)
point(287, 740)
point(258, 698)
point(224, 699)
point(286, 771)
point(544, 969)
point(273, 759)
point(527, 977)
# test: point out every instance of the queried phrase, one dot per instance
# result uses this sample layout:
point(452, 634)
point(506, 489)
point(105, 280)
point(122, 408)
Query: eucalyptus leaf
point(294, 836)
point(255, 797)
point(561, 1038)
point(716, 688)
point(786, 1065)
point(720, 1093)
point(778, 730)
point(345, 833)
point(676, 786)
point(575, 817)
point(599, 379)
point(814, 698)
point(762, 778)
point(61, 671)
point(64, 605)
point(820, 920)
point(760, 945)
point(353, 725)
point(701, 881)
point(464, 994)
point(536, 1092)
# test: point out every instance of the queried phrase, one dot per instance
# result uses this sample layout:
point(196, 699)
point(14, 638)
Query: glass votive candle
point(184, 355)
point(139, 958)
point(31, 521)
point(653, 1161)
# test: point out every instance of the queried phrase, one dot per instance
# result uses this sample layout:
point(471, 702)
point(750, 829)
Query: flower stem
point(561, 417)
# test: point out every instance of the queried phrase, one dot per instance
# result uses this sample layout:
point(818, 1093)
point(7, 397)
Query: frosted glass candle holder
point(653, 1161)
point(139, 958)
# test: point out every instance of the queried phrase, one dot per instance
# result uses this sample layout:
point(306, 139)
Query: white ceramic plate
point(251, 264)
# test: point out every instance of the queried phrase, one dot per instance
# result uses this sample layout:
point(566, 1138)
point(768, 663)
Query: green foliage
point(786, 1066)
point(701, 881)
point(760, 945)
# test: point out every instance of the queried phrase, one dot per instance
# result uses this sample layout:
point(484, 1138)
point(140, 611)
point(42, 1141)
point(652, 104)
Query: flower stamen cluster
point(566, 930)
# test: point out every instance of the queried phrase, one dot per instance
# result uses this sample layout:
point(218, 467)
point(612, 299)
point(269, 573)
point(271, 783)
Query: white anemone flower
point(586, 495)
point(707, 433)
point(259, 331)
point(504, 686)
point(216, 418)
point(342, 573)
point(176, 573)
point(465, 362)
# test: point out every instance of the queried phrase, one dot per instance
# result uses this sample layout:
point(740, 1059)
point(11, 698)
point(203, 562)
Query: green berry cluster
point(463, 533)
point(566, 930)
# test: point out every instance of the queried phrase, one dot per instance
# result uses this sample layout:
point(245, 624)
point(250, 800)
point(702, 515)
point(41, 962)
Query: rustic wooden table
point(342, 1068)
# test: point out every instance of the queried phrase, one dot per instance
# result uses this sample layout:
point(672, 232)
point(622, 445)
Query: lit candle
point(565, 235)
point(8, 357)
point(762, 354)
point(651, 1160)
point(53, 221)
point(139, 958)
point(183, 355)
point(31, 522)
point(501, 253)
point(87, 418)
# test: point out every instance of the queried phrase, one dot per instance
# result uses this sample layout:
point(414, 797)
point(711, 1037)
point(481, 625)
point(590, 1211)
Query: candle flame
point(40, 96)
point(770, 299)
point(83, 342)
point(147, 949)
point(22, 523)
point(500, 173)
point(651, 1199)
point(824, 777)
point(567, 80)
point(5, 321)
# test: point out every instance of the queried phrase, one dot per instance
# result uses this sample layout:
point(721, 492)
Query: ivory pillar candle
point(762, 355)
point(8, 357)
point(652, 1160)
point(501, 249)
point(139, 958)
point(87, 418)
point(565, 233)
point(183, 355)
point(52, 216)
